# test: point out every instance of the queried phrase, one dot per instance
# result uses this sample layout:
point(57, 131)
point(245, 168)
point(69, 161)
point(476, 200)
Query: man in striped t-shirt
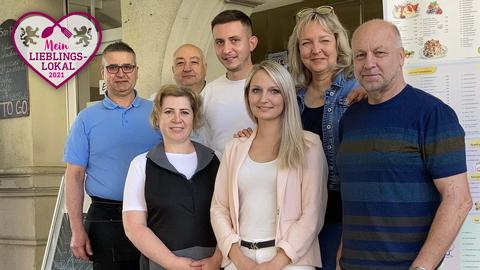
point(401, 163)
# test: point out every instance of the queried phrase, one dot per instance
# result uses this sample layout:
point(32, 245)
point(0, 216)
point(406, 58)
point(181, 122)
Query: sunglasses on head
point(322, 10)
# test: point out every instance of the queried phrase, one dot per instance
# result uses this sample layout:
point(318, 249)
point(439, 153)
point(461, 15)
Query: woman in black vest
point(169, 189)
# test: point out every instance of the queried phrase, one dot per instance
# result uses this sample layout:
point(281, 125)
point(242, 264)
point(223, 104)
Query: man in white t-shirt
point(224, 105)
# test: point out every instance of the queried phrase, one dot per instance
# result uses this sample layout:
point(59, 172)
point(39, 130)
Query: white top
point(225, 112)
point(257, 185)
point(134, 193)
point(185, 164)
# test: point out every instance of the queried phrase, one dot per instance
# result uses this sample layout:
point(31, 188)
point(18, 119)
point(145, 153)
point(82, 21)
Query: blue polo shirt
point(104, 139)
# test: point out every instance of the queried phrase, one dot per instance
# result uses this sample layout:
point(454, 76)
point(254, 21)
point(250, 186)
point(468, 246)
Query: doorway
point(86, 88)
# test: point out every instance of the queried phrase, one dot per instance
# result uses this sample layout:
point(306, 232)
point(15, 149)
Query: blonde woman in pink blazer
point(270, 192)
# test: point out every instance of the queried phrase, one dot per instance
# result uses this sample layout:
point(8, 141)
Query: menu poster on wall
point(436, 30)
point(442, 44)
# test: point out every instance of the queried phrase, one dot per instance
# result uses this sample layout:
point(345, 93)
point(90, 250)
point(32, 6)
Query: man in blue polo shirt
point(103, 140)
point(401, 164)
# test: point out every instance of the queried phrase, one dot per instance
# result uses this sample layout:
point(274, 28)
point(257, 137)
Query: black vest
point(179, 209)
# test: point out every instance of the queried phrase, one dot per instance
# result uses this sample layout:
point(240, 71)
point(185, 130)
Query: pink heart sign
point(57, 50)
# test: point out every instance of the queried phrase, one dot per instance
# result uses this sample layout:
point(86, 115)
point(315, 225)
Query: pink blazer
point(301, 202)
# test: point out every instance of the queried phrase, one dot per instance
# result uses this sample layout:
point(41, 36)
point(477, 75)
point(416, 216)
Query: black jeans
point(111, 247)
point(115, 265)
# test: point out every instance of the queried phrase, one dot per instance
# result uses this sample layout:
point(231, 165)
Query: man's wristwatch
point(417, 268)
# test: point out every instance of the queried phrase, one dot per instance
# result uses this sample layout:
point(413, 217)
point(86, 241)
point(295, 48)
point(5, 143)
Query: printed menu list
point(442, 44)
point(457, 83)
point(436, 30)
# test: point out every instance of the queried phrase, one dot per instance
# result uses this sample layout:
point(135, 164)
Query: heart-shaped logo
point(57, 50)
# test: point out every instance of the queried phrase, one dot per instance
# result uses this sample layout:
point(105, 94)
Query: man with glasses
point(103, 140)
point(189, 67)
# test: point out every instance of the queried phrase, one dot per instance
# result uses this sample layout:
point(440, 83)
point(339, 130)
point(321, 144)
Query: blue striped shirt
point(389, 155)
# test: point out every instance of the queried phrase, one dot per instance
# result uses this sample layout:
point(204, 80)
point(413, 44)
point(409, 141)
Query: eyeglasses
point(127, 68)
point(322, 10)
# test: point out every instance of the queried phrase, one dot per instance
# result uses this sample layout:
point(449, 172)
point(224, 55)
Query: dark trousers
point(116, 265)
point(111, 247)
point(329, 239)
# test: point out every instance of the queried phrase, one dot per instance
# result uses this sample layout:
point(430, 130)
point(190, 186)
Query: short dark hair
point(232, 15)
point(118, 46)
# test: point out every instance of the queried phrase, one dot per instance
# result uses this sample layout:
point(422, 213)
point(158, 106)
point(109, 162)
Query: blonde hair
point(171, 90)
point(331, 24)
point(292, 147)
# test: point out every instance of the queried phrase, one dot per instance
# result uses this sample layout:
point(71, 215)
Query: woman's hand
point(247, 132)
point(210, 263)
point(356, 95)
point(246, 264)
point(276, 263)
point(241, 261)
point(183, 263)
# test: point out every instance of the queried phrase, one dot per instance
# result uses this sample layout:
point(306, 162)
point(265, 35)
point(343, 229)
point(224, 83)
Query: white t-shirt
point(257, 189)
point(224, 111)
point(134, 193)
